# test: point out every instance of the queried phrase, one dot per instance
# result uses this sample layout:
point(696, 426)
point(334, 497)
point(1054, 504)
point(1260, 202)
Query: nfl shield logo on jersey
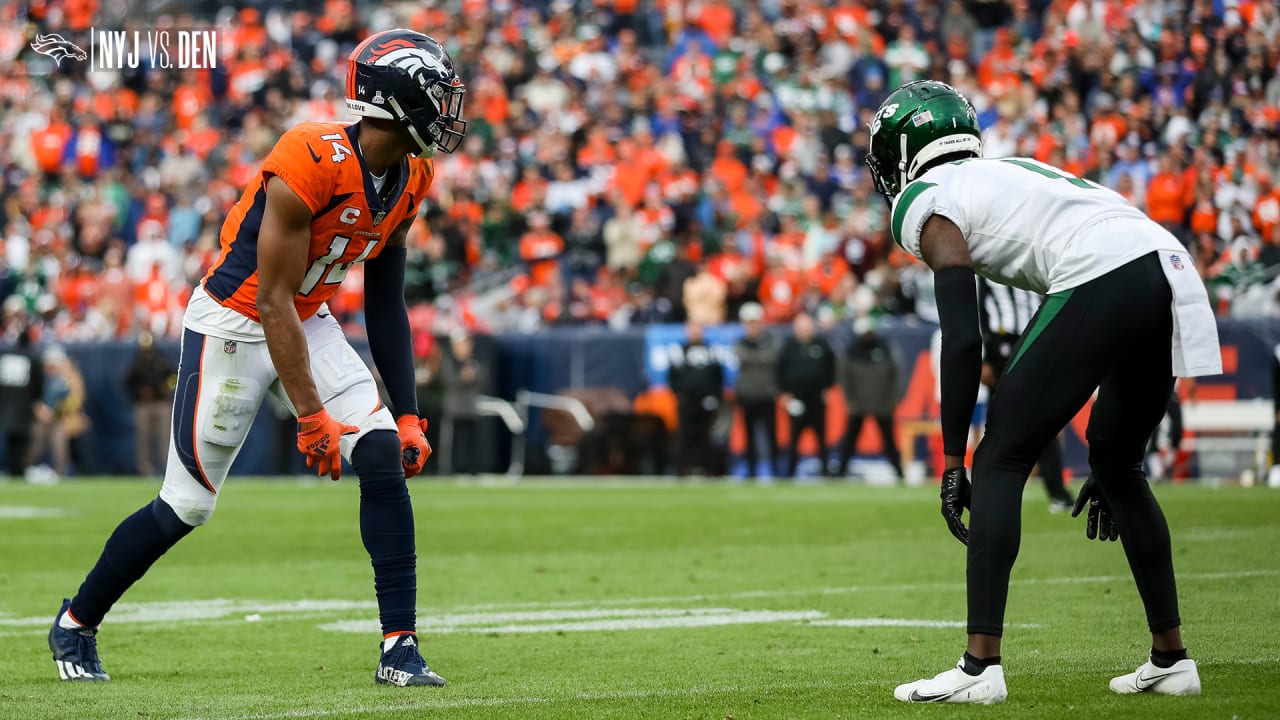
point(229, 347)
point(1175, 261)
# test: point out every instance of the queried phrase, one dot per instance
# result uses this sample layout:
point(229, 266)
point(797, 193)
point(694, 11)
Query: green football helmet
point(917, 124)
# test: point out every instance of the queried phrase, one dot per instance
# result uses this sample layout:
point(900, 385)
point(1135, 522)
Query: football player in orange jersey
point(328, 196)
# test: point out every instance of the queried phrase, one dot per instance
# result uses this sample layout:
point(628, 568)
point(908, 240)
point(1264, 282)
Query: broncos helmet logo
point(58, 48)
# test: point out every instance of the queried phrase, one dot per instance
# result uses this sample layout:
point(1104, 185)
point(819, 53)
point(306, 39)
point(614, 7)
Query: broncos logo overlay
point(57, 47)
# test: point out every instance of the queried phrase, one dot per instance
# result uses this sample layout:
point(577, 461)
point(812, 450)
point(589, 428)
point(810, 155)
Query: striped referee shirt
point(1004, 310)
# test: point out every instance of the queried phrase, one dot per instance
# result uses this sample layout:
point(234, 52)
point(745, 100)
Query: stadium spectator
point(150, 385)
point(704, 297)
point(806, 369)
point(697, 379)
point(739, 120)
point(22, 384)
point(59, 417)
point(869, 377)
point(463, 377)
point(756, 390)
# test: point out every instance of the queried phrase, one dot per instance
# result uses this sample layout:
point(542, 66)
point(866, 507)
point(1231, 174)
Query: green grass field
point(625, 600)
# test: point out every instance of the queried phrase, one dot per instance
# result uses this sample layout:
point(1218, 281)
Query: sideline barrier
point(560, 358)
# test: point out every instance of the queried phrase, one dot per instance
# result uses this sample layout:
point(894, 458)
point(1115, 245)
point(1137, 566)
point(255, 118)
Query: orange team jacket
point(320, 162)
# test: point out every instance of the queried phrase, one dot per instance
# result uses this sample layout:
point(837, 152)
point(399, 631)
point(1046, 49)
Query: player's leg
point(350, 394)
point(849, 444)
point(220, 386)
point(890, 441)
point(769, 413)
point(1055, 370)
point(820, 432)
point(797, 424)
point(750, 426)
point(1057, 365)
point(1050, 464)
point(1131, 403)
point(142, 438)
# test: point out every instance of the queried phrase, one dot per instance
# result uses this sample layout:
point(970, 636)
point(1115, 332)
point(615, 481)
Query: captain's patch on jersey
point(921, 118)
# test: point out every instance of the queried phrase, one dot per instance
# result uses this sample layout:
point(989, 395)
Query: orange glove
point(318, 440)
point(414, 448)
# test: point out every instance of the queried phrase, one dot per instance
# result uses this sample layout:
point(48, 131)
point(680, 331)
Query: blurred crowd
point(632, 161)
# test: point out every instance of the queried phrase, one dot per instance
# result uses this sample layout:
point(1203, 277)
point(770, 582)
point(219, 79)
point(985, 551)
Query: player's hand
point(955, 500)
point(414, 448)
point(1100, 523)
point(318, 436)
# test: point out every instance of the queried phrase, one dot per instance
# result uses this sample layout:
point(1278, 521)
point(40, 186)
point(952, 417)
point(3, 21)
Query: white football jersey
point(1028, 224)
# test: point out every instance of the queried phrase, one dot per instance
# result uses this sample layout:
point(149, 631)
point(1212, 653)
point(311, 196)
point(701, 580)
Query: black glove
point(1100, 524)
point(955, 500)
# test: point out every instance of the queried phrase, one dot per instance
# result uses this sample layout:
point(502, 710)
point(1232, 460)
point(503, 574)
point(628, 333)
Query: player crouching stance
point(328, 196)
point(1125, 314)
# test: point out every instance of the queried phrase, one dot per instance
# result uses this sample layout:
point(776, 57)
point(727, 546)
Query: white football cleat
point(1180, 679)
point(957, 686)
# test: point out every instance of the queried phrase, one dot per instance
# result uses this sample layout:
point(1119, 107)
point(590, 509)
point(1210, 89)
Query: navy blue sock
point(137, 542)
point(386, 527)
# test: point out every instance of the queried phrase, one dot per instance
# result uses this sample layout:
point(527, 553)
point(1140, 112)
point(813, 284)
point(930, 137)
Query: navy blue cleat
point(75, 652)
point(402, 665)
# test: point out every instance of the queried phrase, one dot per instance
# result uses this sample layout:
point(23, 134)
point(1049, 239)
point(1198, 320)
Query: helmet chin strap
point(902, 163)
point(428, 149)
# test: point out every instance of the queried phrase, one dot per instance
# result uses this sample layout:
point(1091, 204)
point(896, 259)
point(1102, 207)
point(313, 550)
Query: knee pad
point(376, 459)
point(192, 509)
point(172, 525)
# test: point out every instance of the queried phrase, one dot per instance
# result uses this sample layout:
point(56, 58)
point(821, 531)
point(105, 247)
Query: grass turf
point(593, 568)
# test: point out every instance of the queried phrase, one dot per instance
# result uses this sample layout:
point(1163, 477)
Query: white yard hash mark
point(30, 512)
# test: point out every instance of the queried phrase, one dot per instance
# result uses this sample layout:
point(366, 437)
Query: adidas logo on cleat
point(408, 641)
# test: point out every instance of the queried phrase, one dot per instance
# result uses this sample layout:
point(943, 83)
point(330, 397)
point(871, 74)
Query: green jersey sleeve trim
point(901, 207)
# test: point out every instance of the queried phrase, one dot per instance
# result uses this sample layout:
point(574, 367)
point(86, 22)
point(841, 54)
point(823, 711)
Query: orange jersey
point(321, 163)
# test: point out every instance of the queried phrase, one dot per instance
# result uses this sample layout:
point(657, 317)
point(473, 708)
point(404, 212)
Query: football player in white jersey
point(1125, 313)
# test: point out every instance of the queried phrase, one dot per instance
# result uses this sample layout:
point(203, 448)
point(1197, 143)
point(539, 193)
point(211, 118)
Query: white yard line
point(592, 621)
point(221, 610)
point(850, 589)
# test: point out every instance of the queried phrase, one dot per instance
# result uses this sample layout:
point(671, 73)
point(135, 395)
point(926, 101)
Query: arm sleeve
point(961, 362)
point(387, 322)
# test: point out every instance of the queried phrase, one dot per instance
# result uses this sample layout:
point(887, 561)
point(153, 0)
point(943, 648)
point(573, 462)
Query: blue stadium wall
point(549, 361)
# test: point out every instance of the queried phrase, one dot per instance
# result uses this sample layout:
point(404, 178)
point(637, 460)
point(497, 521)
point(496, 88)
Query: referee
point(1004, 313)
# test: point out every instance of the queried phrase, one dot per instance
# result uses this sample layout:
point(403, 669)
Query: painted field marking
point(30, 512)
point(219, 610)
point(588, 620)
point(850, 589)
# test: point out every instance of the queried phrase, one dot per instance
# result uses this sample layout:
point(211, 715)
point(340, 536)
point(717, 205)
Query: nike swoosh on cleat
point(917, 697)
point(1144, 683)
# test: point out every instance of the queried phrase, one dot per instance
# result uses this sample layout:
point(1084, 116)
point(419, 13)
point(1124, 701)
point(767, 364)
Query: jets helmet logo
point(58, 48)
